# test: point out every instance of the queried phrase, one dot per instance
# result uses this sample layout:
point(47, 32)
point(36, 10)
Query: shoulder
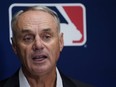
point(12, 81)
point(69, 82)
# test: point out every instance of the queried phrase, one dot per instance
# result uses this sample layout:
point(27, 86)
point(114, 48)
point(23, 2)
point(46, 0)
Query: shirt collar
point(22, 79)
point(59, 79)
point(24, 83)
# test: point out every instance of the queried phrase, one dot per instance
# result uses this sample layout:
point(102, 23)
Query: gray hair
point(34, 8)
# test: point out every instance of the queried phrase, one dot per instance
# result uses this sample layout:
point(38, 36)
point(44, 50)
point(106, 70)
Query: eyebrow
point(26, 31)
point(46, 30)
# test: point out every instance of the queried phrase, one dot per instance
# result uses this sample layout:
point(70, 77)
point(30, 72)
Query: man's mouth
point(39, 58)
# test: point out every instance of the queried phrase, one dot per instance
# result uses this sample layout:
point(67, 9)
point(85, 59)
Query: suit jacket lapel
point(67, 82)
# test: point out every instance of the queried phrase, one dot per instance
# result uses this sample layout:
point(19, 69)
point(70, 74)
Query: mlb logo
point(72, 17)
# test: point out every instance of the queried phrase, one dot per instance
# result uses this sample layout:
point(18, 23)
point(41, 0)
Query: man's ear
point(14, 45)
point(61, 41)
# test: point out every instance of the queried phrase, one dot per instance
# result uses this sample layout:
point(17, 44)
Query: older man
point(37, 41)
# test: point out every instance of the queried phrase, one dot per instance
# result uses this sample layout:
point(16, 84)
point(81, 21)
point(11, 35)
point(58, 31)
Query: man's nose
point(38, 44)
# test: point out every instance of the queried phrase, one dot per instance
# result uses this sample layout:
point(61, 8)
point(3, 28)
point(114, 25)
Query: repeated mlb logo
point(74, 26)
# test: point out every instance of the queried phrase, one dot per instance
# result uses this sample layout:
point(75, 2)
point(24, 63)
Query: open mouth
point(39, 57)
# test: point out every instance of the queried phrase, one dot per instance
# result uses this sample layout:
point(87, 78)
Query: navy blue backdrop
point(94, 62)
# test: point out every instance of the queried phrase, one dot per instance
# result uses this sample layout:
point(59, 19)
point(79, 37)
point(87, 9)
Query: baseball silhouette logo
point(74, 26)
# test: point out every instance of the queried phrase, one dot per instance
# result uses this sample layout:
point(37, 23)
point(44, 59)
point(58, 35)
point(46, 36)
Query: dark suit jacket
point(67, 82)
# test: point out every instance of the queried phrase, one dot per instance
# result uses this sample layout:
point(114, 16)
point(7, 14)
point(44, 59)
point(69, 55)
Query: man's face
point(38, 43)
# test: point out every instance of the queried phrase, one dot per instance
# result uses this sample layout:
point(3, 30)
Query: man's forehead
point(33, 17)
point(35, 13)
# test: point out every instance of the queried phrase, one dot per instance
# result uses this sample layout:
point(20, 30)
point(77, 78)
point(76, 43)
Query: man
point(37, 41)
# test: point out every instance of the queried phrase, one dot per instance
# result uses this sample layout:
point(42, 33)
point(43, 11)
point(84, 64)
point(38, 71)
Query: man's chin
point(41, 70)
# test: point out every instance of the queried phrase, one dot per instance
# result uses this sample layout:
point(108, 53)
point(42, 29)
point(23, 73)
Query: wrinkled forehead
point(36, 17)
